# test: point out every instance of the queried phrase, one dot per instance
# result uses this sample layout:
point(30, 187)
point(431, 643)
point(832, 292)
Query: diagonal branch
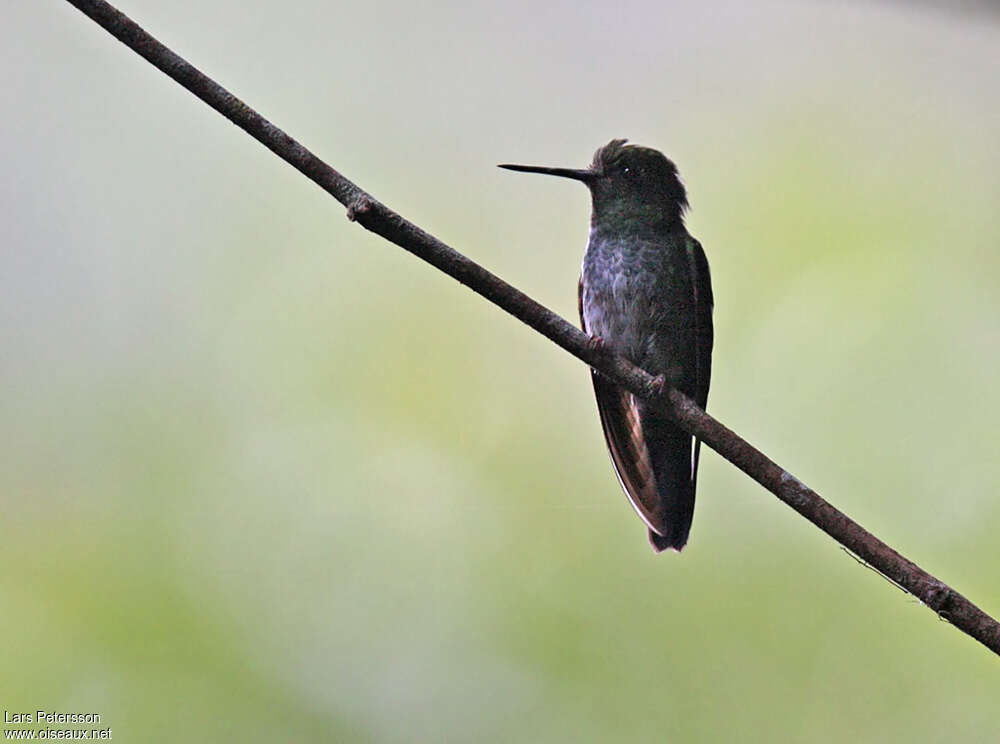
point(376, 217)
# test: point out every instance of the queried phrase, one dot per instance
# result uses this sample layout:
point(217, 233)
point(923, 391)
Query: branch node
point(937, 598)
point(359, 207)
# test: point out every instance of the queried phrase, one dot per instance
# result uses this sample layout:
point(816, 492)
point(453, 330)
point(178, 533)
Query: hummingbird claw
point(659, 386)
point(597, 345)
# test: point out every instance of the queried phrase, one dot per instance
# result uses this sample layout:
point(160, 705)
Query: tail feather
point(672, 452)
point(655, 462)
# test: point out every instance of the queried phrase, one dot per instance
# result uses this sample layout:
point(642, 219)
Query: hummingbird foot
point(598, 346)
point(659, 386)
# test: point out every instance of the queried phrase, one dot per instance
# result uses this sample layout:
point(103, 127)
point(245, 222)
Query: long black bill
point(577, 174)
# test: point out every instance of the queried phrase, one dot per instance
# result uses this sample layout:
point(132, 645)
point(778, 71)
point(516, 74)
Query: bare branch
point(376, 217)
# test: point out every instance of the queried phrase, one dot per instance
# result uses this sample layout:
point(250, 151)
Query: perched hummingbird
point(645, 293)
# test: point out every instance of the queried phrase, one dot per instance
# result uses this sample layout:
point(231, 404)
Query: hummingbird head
point(628, 184)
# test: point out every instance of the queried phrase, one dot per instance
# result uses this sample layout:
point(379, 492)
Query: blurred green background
point(265, 477)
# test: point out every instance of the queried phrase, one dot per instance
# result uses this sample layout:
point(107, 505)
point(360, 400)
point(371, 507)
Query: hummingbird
point(645, 293)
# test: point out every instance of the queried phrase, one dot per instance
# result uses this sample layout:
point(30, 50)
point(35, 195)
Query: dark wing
point(701, 282)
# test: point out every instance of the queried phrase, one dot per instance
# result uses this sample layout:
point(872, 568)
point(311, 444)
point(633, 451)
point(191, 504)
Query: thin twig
point(865, 564)
point(375, 216)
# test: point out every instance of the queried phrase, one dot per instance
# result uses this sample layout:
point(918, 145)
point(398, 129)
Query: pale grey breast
point(638, 297)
